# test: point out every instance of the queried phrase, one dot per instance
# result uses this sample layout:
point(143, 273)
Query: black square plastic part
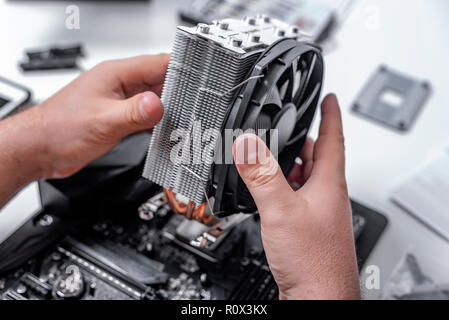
point(392, 99)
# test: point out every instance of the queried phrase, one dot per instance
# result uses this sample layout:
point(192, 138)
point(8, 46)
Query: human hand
point(92, 114)
point(307, 235)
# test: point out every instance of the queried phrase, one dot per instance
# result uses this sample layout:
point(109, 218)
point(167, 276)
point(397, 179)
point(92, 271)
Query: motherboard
point(144, 258)
point(105, 234)
point(148, 257)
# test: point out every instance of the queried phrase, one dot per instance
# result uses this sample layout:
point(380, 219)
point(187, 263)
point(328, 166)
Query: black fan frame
point(231, 194)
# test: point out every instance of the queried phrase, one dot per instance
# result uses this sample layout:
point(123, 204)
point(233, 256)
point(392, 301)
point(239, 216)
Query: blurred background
point(398, 170)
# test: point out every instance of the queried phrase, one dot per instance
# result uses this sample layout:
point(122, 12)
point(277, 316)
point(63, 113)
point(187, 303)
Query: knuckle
point(338, 189)
point(107, 64)
point(132, 116)
point(100, 132)
point(263, 175)
point(103, 66)
point(280, 211)
point(342, 186)
point(261, 178)
point(272, 219)
point(258, 180)
point(340, 138)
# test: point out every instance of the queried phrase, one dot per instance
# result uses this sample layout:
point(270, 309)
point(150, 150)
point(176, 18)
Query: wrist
point(23, 148)
point(344, 291)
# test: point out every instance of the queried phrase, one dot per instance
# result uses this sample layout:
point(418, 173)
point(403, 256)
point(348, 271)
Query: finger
point(139, 74)
point(141, 112)
point(307, 158)
point(261, 173)
point(301, 172)
point(296, 177)
point(328, 157)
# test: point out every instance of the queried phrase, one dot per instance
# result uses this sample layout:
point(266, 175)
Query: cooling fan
point(256, 74)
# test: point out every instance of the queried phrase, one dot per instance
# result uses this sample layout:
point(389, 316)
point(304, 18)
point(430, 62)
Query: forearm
point(20, 153)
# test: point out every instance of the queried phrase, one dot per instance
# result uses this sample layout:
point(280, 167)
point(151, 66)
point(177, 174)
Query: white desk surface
point(411, 36)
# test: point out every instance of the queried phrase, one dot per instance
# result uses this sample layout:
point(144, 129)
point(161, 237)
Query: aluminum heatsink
point(208, 65)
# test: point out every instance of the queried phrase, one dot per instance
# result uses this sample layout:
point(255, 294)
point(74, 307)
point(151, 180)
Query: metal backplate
point(392, 99)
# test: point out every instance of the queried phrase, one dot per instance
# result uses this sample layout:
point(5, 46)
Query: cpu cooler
point(233, 76)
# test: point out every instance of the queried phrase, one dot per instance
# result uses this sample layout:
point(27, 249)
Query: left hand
point(91, 115)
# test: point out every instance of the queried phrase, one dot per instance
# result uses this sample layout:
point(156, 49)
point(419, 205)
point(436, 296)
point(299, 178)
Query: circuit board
point(140, 259)
point(148, 258)
point(118, 239)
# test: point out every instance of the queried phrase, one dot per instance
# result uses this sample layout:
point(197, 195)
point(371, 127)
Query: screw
point(92, 288)
point(56, 256)
point(294, 29)
point(46, 221)
point(253, 252)
point(255, 38)
point(224, 26)
point(204, 28)
point(251, 21)
point(244, 262)
point(237, 42)
point(146, 215)
point(204, 279)
point(265, 18)
point(21, 289)
point(280, 33)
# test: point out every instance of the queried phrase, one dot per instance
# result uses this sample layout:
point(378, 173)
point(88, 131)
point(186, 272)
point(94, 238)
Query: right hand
point(307, 235)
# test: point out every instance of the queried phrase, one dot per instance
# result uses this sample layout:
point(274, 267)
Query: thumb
point(261, 173)
point(138, 113)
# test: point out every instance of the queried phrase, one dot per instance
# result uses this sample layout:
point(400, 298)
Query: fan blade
point(283, 90)
point(305, 79)
point(263, 121)
point(297, 137)
point(274, 98)
point(295, 66)
point(286, 84)
point(296, 78)
point(262, 126)
point(302, 110)
point(305, 106)
point(285, 123)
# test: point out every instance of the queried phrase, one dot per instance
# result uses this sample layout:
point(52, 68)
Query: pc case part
point(208, 62)
point(392, 99)
point(315, 17)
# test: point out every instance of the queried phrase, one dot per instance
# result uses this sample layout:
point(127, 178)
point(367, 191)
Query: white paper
point(425, 194)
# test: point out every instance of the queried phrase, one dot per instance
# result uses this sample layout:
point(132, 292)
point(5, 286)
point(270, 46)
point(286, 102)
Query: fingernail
point(246, 150)
point(145, 106)
point(249, 150)
point(150, 108)
point(239, 150)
